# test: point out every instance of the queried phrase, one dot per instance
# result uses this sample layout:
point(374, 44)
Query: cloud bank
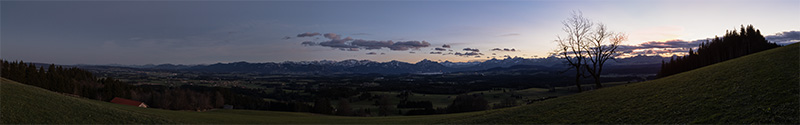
point(445, 46)
point(784, 38)
point(308, 34)
point(472, 49)
point(682, 46)
point(504, 49)
point(347, 43)
point(468, 54)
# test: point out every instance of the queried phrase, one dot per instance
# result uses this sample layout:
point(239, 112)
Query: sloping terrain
point(21, 103)
point(758, 88)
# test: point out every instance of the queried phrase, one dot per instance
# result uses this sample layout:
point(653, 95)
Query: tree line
point(75, 81)
point(734, 44)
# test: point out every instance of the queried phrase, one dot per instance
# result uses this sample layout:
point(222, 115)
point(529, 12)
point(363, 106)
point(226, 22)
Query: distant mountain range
point(392, 67)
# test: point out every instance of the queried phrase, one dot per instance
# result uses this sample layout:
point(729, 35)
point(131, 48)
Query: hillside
point(21, 103)
point(758, 88)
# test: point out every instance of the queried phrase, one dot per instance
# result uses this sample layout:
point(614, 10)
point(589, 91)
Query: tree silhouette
point(603, 46)
point(586, 49)
point(572, 47)
point(467, 103)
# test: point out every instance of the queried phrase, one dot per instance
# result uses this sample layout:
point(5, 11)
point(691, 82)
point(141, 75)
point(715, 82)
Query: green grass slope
point(29, 104)
point(757, 88)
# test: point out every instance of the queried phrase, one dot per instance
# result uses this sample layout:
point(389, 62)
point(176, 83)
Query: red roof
point(125, 101)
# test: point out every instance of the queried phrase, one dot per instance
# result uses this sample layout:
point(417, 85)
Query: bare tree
point(573, 47)
point(585, 48)
point(603, 46)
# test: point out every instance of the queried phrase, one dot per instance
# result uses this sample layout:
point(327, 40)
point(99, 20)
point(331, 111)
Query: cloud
point(336, 41)
point(308, 34)
point(468, 54)
point(348, 49)
point(362, 34)
point(332, 36)
point(657, 51)
point(308, 43)
point(408, 45)
point(504, 49)
point(671, 44)
point(371, 53)
point(472, 49)
point(371, 44)
point(511, 34)
point(660, 45)
point(784, 38)
point(681, 46)
point(445, 46)
point(336, 44)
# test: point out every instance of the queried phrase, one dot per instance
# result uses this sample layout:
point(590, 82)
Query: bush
point(468, 103)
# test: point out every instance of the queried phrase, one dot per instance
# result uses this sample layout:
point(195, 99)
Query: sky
point(207, 32)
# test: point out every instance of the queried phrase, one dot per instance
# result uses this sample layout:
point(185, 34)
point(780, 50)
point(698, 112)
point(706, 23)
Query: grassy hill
point(21, 103)
point(758, 88)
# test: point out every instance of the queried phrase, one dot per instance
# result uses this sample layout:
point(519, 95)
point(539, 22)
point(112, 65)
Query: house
point(128, 102)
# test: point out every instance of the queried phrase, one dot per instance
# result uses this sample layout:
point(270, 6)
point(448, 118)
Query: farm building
point(128, 102)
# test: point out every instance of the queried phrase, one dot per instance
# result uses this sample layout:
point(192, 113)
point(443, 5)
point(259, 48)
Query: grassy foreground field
point(758, 88)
